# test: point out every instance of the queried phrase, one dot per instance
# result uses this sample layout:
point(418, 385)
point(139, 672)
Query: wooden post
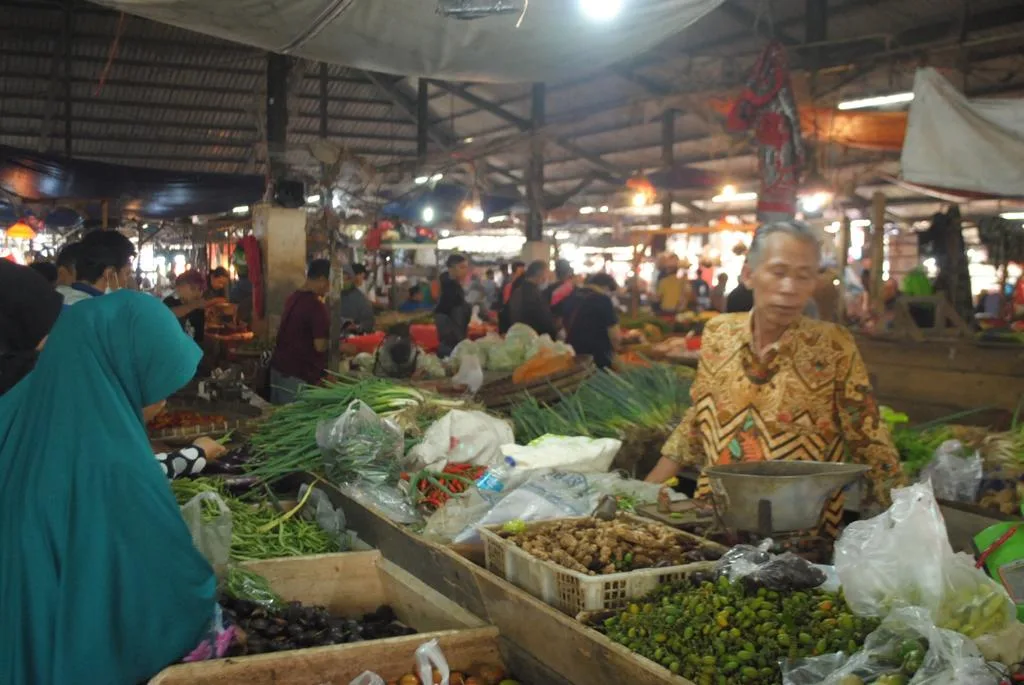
point(668, 143)
point(278, 67)
point(877, 251)
point(105, 213)
point(841, 259)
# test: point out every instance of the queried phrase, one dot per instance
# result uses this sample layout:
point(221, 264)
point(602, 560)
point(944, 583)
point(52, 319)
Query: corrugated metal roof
point(177, 100)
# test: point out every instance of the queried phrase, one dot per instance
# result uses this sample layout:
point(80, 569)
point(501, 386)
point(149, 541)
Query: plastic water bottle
point(494, 479)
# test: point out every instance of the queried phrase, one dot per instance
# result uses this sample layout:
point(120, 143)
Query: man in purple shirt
point(300, 355)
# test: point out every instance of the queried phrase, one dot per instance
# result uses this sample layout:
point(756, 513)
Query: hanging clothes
point(101, 581)
point(766, 105)
point(254, 262)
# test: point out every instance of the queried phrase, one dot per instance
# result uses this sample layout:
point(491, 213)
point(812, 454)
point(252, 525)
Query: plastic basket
point(573, 592)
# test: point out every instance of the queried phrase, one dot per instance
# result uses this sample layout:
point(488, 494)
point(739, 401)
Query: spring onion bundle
point(609, 404)
point(258, 530)
point(286, 442)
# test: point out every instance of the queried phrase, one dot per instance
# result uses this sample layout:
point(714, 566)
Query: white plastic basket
point(571, 591)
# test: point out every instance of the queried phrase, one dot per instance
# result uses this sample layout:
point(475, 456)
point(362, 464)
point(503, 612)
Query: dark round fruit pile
point(295, 626)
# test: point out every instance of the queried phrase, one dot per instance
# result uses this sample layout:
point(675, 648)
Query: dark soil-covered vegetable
point(716, 632)
point(295, 626)
point(596, 547)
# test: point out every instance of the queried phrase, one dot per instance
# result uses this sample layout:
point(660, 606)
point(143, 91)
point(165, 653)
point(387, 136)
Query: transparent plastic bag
point(902, 558)
point(906, 645)
point(331, 520)
point(385, 499)
point(211, 537)
point(954, 475)
point(756, 567)
point(360, 445)
point(368, 678)
point(240, 583)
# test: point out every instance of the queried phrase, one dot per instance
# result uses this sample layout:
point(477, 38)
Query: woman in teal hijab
point(99, 580)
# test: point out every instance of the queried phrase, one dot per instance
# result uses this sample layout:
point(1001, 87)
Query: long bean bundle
point(258, 530)
point(609, 404)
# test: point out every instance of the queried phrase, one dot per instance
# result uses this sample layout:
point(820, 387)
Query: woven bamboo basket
point(501, 394)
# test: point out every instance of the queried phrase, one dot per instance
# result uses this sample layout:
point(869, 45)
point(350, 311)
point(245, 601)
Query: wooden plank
point(339, 665)
point(938, 386)
point(952, 355)
point(417, 604)
point(349, 584)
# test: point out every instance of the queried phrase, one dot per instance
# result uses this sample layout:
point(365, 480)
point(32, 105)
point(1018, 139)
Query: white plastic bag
point(902, 558)
point(460, 436)
point(577, 453)
point(368, 678)
point(470, 374)
point(212, 538)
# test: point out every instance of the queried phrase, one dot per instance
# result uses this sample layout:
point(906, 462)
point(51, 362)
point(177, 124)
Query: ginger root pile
point(596, 547)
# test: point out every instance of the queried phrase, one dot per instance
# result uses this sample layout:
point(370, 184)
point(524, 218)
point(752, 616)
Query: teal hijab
point(99, 580)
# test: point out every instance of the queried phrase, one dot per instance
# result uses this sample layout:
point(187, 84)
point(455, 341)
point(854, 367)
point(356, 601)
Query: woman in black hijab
point(29, 306)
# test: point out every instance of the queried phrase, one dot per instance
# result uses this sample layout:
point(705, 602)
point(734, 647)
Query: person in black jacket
point(451, 315)
point(528, 304)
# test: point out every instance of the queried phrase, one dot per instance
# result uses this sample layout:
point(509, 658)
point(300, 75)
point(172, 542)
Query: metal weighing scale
point(772, 497)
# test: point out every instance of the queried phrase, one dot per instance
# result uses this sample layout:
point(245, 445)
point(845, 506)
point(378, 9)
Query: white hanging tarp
point(961, 144)
point(408, 37)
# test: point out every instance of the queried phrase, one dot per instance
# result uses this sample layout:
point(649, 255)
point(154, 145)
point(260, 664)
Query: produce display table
point(545, 645)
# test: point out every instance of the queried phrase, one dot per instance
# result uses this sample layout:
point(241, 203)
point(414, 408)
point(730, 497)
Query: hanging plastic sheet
point(150, 193)
point(953, 142)
point(554, 40)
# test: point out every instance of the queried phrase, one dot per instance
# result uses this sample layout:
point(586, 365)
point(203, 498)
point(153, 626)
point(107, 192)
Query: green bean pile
point(722, 633)
point(250, 539)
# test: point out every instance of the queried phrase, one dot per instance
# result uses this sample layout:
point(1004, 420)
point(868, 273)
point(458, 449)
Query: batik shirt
point(807, 398)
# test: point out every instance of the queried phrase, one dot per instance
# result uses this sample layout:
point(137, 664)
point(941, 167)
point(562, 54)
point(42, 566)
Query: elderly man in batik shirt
point(774, 384)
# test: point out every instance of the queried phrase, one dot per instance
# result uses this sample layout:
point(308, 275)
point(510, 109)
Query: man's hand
point(216, 301)
point(213, 449)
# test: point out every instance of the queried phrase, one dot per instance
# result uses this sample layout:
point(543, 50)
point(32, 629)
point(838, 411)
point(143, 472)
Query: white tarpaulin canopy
point(961, 144)
point(409, 37)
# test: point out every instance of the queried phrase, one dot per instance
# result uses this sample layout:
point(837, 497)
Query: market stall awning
point(554, 40)
point(147, 193)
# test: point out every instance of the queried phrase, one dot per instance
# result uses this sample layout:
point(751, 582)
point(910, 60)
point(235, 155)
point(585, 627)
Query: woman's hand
point(211, 448)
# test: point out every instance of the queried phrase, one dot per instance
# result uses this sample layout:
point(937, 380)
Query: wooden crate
point(539, 643)
point(348, 584)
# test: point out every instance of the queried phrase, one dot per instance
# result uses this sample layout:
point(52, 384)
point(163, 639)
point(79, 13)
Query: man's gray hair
point(796, 229)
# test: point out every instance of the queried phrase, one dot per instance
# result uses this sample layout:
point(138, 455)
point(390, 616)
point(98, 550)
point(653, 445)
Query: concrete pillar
point(282, 236)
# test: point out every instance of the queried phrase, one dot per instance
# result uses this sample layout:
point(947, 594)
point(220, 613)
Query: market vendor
point(101, 578)
point(774, 384)
point(188, 304)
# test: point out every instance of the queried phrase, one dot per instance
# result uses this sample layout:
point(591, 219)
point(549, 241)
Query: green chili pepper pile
point(722, 633)
point(258, 530)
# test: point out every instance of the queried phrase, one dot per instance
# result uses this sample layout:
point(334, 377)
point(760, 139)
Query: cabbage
point(520, 333)
point(506, 357)
point(362, 362)
point(467, 347)
point(430, 366)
